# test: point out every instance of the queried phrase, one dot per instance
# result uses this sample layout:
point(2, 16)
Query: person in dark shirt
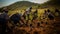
point(24, 16)
point(35, 15)
point(50, 15)
point(4, 20)
point(57, 12)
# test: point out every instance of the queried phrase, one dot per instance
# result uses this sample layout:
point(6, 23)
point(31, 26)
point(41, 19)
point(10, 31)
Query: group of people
point(16, 18)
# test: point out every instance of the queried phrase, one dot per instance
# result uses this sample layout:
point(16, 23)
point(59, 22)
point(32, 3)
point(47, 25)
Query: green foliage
point(53, 2)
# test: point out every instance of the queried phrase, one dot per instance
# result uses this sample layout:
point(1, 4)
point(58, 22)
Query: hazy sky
point(8, 2)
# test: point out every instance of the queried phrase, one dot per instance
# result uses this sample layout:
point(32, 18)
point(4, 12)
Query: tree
point(55, 2)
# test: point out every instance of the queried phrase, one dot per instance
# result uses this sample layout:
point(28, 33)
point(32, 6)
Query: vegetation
point(21, 5)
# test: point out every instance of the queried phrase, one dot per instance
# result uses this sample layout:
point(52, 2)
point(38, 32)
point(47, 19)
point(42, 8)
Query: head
point(45, 11)
point(48, 10)
point(30, 7)
point(56, 9)
point(5, 10)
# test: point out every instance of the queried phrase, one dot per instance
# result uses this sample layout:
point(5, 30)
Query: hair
point(45, 11)
point(48, 10)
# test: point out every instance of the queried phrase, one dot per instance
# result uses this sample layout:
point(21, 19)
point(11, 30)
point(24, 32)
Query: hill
point(52, 3)
point(21, 5)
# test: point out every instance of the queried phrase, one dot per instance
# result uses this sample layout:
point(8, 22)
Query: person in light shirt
point(28, 10)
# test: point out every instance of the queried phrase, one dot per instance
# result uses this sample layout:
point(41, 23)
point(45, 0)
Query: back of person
point(45, 14)
point(24, 16)
point(35, 15)
point(4, 20)
point(57, 12)
point(15, 18)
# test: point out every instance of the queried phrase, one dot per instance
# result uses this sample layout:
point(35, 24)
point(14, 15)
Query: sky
point(8, 2)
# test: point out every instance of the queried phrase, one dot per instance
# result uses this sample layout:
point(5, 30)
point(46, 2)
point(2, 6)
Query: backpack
point(15, 17)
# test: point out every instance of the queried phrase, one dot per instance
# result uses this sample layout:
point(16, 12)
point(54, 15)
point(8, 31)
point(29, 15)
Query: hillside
point(21, 5)
point(52, 3)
